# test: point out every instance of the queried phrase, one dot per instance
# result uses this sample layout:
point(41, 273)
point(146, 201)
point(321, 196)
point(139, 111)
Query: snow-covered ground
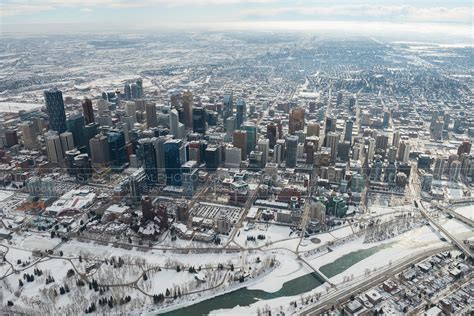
point(466, 211)
point(417, 240)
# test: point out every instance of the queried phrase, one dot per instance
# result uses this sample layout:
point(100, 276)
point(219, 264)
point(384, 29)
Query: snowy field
point(15, 107)
point(415, 241)
point(466, 211)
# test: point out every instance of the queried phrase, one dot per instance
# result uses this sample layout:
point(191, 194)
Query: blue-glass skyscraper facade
point(199, 120)
point(118, 154)
point(55, 108)
point(241, 109)
point(147, 155)
point(175, 155)
point(75, 124)
point(251, 136)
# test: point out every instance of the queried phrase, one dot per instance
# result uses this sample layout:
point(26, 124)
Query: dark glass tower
point(241, 112)
point(173, 152)
point(199, 120)
point(88, 111)
point(75, 124)
point(55, 108)
point(146, 153)
point(118, 154)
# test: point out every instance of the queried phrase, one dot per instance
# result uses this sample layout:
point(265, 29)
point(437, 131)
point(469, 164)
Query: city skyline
point(388, 18)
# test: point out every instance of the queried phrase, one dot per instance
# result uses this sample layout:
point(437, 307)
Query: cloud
point(22, 7)
point(399, 13)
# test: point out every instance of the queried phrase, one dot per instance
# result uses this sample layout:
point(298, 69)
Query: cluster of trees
point(259, 237)
point(28, 277)
point(23, 264)
point(49, 279)
point(64, 289)
point(158, 298)
point(92, 308)
point(389, 229)
point(117, 263)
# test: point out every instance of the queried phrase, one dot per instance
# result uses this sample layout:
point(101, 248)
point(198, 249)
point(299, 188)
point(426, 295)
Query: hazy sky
point(450, 16)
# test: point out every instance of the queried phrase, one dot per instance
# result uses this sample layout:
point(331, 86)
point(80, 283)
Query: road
point(448, 209)
point(344, 294)
point(438, 226)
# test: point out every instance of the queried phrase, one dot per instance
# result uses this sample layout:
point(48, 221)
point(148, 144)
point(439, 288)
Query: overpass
point(453, 239)
point(449, 209)
point(343, 293)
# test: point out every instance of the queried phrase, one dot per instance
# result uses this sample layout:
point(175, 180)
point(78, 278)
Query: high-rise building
point(212, 157)
point(392, 154)
point(348, 131)
point(381, 142)
point(357, 151)
point(55, 109)
point(438, 168)
point(140, 105)
point(278, 152)
point(263, 146)
point(99, 147)
point(230, 126)
point(343, 150)
point(53, 148)
point(296, 120)
point(88, 111)
point(313, 129)
point(138, 184)
point(291, 144)
point(404, 152)
point(70, 155)
point(90, 130)
point(454, 170)
point(228, 104)
point(118, 153)
point(67, 141)
point(240, 141)
point(339, 98)
point(272, 134)
point(11, 137)
point(175, 156)
point(332, 141)
point(352, 103)
point(190, 177)
point(331, 124)
point(131, 110)
point(139, 84)
point(28, 135)
point(151, 118)
point(233, 157)
point(187, 100)
point(256, 160)
point(182, 211)
point(465, 147)
point(241, 113)
point(396, 139)
point(75, 124)
point(174, 123)
point(146, 154)
point(127, 91)
point(103, 107)
point(251, 129)
point(371, 149)
point(135, 91)
point(82, 167)
point(199, 120)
